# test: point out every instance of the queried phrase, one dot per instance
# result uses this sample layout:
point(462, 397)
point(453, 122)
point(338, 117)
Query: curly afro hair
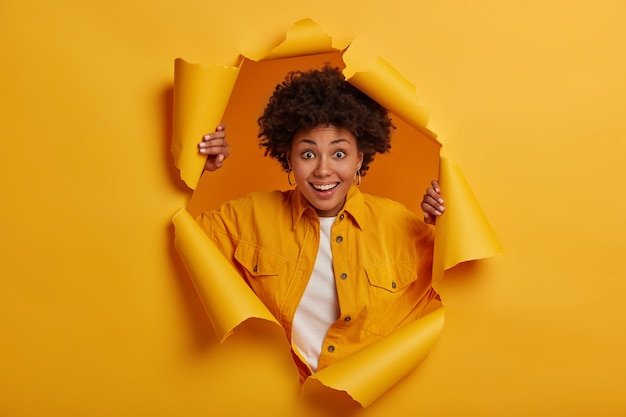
point(322, 97)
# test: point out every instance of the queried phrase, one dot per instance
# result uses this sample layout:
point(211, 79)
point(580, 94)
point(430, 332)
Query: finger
point(434, 195)
point(213, 150)
point(214, 153)
point(428, 219)
point(429, 201)
point(226, 152)
point(214, 162)
point(218, 134)
point(432, 207)
point(214, 143)
point(435, 185)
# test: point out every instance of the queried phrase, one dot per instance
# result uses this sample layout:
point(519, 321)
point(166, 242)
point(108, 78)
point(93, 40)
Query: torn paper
point(229, 302)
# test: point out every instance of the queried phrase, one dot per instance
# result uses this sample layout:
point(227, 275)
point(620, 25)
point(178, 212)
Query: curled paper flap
point(201, 93)
point(385, 85)
point(305, 37)
point(370, 372)
point(226, 297)
point(463, 233)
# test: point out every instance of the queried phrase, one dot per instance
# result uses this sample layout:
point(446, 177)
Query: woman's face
point(324, 161)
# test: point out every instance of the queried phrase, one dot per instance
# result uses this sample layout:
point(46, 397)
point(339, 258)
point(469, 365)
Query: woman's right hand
point(215, 147)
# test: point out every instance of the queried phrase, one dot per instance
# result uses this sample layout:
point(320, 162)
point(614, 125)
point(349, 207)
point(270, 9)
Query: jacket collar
point(353, 207)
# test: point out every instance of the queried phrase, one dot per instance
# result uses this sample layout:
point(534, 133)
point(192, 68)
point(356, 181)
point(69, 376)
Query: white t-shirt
point(319, 306)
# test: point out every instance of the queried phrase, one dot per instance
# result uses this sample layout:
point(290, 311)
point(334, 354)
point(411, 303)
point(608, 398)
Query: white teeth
point(324, 187)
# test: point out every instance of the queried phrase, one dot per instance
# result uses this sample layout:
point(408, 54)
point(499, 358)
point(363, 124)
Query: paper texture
point(384, 84)
point(226, 297)
point(368, 373)
point(462, 234)
point(201, 93)
point(305, 37)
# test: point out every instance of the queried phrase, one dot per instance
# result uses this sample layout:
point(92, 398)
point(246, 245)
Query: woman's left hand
point(432, 203)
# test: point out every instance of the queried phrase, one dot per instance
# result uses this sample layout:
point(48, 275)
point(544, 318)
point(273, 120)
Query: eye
point(340, 154)
point(308, 155)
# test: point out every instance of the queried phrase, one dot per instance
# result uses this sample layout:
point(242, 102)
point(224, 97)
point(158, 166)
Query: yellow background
point(97, 315)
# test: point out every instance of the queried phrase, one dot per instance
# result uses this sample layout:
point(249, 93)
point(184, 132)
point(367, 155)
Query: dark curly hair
point(305, 100)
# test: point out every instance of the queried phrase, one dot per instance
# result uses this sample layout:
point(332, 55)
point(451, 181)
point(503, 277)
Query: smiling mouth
point(325, 187)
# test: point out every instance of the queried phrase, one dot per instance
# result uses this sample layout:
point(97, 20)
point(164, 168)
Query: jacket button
point(347, 319)
point(341, 216)
point(256, 268)
point(393, 285)
point(331, 348)
point(343, 276)
point(339, 239)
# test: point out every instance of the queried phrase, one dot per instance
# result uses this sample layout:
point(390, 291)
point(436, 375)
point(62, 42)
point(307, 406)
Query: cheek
point(348, 172)
point(300, 171)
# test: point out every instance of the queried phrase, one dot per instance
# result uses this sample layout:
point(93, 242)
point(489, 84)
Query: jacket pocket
point(261, 269)
point(392, 277)
point(394, 293)
point(256, 261)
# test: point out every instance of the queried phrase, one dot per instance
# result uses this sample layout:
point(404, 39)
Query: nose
point(323, 167)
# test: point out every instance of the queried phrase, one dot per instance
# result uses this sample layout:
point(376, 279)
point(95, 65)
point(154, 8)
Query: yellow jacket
point(382, 258)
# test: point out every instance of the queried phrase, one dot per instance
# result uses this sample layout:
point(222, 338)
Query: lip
point(325, 193)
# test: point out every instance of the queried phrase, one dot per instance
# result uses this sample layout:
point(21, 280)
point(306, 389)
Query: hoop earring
point(289, 171)
point(357, 178)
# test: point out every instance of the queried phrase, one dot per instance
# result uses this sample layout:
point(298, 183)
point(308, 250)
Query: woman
point(339, 269)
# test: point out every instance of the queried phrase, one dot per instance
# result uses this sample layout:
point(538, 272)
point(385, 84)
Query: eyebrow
point(312, 142)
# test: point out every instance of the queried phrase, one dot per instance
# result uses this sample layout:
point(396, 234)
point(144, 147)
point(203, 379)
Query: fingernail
point(440, 200)
point(207, 137)
point(437, 213)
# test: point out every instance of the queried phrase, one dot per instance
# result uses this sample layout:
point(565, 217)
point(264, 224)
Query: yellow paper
point(97, 314)
point(384, 84)
point(463, 233)
point(305, 37)
point(201, 94)
point(370, 372)
point(226, 297)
